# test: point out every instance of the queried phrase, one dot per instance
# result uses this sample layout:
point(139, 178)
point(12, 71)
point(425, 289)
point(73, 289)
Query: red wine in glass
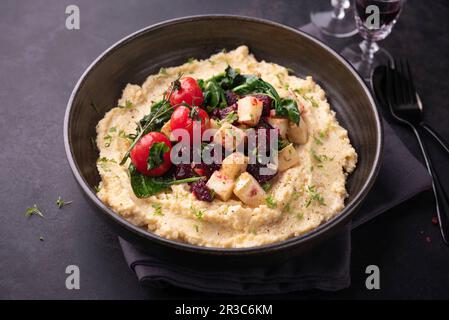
point(388, 12)
point(374, 20)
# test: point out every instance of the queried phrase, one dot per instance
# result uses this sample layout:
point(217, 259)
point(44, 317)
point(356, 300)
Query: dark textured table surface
point(40, 61)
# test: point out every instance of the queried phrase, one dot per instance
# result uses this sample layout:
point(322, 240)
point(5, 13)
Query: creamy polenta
point(299, 199)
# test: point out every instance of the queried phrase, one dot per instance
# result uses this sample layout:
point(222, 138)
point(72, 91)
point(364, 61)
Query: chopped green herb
point(253, 231)
point(34, 210)
point(112, 129)
point(103, 162)
point(267, 186)
point(312, 101)
point(324, 133)
point(317, 141)
point(287, 208)
point(199, 214)
point(197, 228)
point(107, 140)
point(163, 71)
point(61, 203)
point(290, 71)
point(122, 134)
point(157, 209)
point(300, 91)
point(300, 215)
point(271, 203)
point(211, 62)
point(128, 105)
point(97, 188)
point(313, 196)
point(320, 157)
point(191, 60)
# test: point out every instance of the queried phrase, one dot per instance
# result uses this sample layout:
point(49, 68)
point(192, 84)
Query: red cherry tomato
point(187, 91)
point(183, 118)
point(160, 155)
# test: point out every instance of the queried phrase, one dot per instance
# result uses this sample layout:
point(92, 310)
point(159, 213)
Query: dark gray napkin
point(327, 267)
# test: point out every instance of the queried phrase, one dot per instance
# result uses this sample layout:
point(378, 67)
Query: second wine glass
point(374, 20)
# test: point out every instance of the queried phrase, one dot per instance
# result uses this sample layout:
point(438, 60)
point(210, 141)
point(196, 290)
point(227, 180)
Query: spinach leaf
point(215, 88)
point(145, 186)
point(155, 157)
point(289, 109)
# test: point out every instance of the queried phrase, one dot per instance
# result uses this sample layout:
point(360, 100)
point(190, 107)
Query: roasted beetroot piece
point(263, 124)
point(231, 98)
point(260, 175)
point(203, 169)
point(201, 191)
point(184, 171)
point(264, 135)
point(267, 102)
point(220, 114)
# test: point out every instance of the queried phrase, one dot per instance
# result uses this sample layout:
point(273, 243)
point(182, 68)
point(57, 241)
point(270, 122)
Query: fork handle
point(436, 136)
point(441, 198)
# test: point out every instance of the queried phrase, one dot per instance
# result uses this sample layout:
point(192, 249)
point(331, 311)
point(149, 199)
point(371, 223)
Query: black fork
point(402, 101)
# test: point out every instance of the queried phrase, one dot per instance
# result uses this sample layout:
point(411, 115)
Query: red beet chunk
point(201, 191)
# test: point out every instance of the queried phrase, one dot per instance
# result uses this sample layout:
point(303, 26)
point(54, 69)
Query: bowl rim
point(347, 211)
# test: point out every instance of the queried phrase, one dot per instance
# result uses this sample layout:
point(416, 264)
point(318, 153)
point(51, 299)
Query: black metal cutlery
point(399, 94)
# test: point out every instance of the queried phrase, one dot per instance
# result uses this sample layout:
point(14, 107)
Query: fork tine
point(389, 86)
point(411, 84)
point(397, 87)
point(403, 73)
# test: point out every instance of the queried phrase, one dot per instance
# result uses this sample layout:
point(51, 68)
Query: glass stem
point(339, 8)
point(369, 48)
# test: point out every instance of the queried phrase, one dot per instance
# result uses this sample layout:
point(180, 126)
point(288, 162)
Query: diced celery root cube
point(234, 164)
point(229, 136)
point(297, 134)
point(287, 158)
point(221, 185)
point(249, 110)
point(249, 191)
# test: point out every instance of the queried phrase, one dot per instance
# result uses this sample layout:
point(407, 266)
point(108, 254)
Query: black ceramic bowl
point(170, 43)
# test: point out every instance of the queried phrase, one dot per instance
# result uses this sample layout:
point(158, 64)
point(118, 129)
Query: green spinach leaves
point(145, 186)
point(215, 88)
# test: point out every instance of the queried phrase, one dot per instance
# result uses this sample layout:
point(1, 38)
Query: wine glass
point(374, 20)
point(338, 22)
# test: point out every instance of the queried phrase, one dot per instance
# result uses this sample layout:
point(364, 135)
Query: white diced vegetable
point(229, 136)
point(287, 158)
point(221, 184)
point(249, 110)
point(297, 134)
point(234, 164)
point(279, 123)
point(249, 191)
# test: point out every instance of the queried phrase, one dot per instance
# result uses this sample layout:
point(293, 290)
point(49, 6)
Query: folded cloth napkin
point(327, 267)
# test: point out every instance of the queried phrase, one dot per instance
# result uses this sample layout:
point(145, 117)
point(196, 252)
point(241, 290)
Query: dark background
point(40, 62)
